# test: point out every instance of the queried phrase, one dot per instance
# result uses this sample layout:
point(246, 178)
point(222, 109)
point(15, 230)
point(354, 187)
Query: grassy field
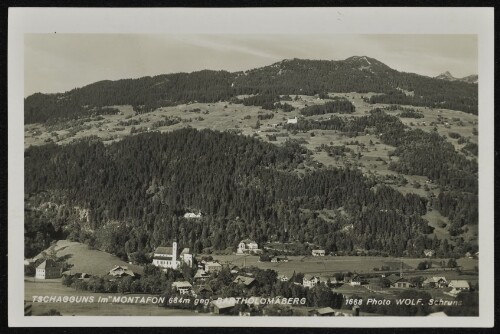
point(86, 260)
point(332, 264)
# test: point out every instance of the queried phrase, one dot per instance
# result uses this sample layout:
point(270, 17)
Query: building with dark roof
point(48, 269)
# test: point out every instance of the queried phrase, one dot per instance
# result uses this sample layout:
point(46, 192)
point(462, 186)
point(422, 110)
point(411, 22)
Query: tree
point(452, 263)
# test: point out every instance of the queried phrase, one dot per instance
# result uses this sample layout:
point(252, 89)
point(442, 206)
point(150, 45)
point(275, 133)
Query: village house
point(347, 279)
point(459, 285)
point(435, 282)
point(223, 306)
point(201, 275)
point(310, 281)
point(246, 281)
point(121, 271)
point(322, 312)
point(166, 257)
point(283, 278)
point(82, 276)
point(248, 246)
point(398, 282)
point(182, 287)
point(429, 252)
point(202, 291)
point(192, 215)
point(211, 267)
point(356, 280)
point(48, 269)
point(318, 252)
point(402, 283)
point(292, 120)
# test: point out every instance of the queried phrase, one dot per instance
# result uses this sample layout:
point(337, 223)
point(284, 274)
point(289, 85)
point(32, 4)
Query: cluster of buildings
point(456, 285)
point(248, 246)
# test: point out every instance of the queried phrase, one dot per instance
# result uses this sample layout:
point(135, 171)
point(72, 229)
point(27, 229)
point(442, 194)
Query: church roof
point(163, 250)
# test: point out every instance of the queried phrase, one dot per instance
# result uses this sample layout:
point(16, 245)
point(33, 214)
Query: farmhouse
point(223, 306)
point(166, 257)
point(211, 267)
point(82, 276)
point(48, 269)
point(398, 282)
point(310, 281)
point(459, 285)
point(182, 287)
point(292, 120)
point(246, 281)
point(191, 215)
point(202, 291)
point(402, 283)
point(356, 281)
point(283, 278)
point(429, 252)
point(435, 282)
point(322, 312)
point(318, 252)
point(121, 271)
point(248, 246)
point(201, 276)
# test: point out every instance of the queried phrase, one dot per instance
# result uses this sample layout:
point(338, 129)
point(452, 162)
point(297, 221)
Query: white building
point(318, 252)
point(310, 281)
point(459, 285)
point(248, 246)
point(283, 278)
point(292, 120)
point(190, 215)
point(166, 257)
point(183, 287)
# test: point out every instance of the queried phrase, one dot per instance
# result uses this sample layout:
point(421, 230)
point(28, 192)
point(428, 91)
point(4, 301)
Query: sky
point(56, 63)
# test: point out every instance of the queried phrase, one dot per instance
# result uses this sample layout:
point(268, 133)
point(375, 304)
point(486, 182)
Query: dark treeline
point(107, 196)
point(266, 101)
point(305, 77)
point(341, 106)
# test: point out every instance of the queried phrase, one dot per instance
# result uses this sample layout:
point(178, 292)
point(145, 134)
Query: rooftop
point(49, 263)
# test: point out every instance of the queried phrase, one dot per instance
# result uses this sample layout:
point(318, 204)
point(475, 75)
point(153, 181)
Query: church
point(166, 257)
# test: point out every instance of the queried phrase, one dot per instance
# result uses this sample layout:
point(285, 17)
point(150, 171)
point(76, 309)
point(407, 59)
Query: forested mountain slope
point(296, 76)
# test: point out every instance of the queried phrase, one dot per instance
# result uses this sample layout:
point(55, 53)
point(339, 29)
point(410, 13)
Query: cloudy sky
point(59, 62)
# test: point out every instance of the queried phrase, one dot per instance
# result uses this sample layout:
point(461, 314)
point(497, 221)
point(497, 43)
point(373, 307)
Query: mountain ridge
point(288, 77)
point(473, 78)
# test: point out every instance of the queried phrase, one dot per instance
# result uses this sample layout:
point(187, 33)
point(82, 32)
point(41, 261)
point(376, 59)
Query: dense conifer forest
point(131, 195)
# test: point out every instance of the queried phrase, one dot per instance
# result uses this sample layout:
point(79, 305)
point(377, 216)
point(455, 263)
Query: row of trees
point(339, 106)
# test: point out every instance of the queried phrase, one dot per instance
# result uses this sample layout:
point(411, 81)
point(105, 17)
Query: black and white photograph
point(327, 176)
